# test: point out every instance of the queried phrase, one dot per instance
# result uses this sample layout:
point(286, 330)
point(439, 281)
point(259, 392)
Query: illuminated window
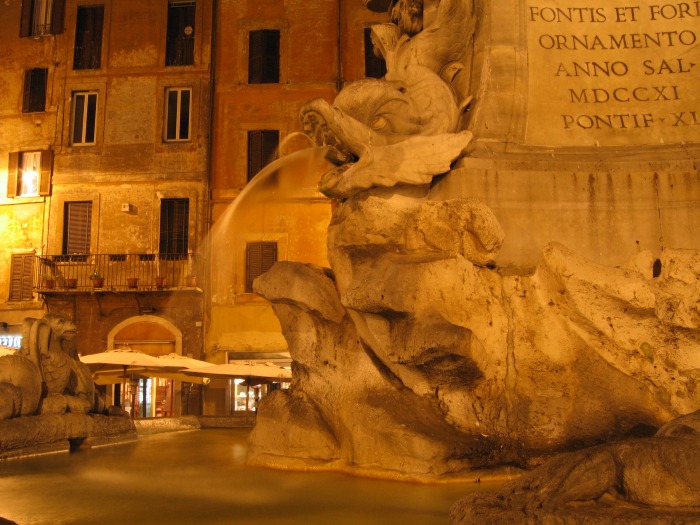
point(260, 256)
point(177, 114)
point(41, 17)
point(84, 118)
point(29, 173)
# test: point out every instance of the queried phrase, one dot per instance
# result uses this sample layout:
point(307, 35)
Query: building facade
point(104, 155)
point(131, 135)
point(270, 59)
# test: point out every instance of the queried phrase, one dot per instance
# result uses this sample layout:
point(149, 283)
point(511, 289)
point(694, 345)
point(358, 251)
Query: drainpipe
point(339, 78)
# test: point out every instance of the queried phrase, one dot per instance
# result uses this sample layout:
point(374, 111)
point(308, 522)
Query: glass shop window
point(264, 57)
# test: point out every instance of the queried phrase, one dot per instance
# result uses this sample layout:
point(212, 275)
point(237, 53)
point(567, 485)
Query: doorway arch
point(149, 333)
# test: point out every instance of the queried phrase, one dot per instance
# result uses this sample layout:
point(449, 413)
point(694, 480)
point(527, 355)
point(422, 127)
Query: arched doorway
point(145, 395)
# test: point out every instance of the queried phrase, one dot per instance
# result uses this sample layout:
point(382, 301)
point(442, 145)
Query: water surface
point(201, 477)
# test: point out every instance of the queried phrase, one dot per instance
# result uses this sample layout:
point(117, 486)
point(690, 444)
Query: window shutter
point(77, 227)
point(21, 275)
point(255, 57)
point(46, 171)
point(59, 8)
point(271, 139)
point(260, 256)
point(255, 153)
point(269, 255)
point(272, 57)
point(27, 93)
point(253, 264)
point(25, 24)
point(12, 174)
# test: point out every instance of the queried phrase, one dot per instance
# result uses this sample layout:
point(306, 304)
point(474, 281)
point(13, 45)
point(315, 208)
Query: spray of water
point(279, 203)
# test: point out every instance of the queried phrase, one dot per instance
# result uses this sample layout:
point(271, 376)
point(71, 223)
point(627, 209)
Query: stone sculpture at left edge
point(47, 394)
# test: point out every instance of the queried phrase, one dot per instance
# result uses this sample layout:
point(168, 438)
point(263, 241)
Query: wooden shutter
point(25, 25)
point(260, 256)
point(174, 228)
point(21, 273)
point(271, 67)
point(12, 174)
point(46, 171)
point(256, 42)
point(255, 153)
point(59, 7)
point(271, 139)
point(76, 227)
point(27, 93)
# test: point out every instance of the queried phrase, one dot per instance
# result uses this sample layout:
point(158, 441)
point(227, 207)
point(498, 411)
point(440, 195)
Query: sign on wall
point(612, 73)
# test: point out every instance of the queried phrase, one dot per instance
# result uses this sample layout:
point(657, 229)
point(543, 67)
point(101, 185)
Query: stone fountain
point(418, 356)
point(48, 400)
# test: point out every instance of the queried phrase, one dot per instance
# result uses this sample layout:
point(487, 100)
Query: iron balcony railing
point(116, 272)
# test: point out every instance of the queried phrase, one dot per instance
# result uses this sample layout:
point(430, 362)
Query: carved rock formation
point(650, 480)
point(417, 358)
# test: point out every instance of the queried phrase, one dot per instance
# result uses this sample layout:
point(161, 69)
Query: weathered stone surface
point(444, 363)
point(649, 480)
point(19, 435)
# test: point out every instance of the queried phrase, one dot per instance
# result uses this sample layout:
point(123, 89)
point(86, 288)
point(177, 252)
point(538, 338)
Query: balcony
point(141, 272)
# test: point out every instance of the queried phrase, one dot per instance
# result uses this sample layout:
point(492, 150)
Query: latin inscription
point(614, 74)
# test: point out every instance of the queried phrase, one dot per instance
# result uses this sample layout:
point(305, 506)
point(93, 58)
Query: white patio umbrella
point(124, 359)
point(180, 362)
point(248, 369)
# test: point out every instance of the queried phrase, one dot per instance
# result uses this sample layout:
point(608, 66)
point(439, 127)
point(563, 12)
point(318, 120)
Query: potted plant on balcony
point(132, 282)
point(97, 280)
point(191, 281)
point(160, 281)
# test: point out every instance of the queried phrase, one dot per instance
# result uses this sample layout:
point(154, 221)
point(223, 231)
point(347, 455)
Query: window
point(77, 223)
point(179, 47)
point(34, 100)
point(41, 17)
point(84, 117)
point(87, 52)
point(262, 149)
point(177, 114)
point(29, 173)
point(21, 272)
point(174, 228)
point(375, 66)
point(264, 57)
point(259, 258)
